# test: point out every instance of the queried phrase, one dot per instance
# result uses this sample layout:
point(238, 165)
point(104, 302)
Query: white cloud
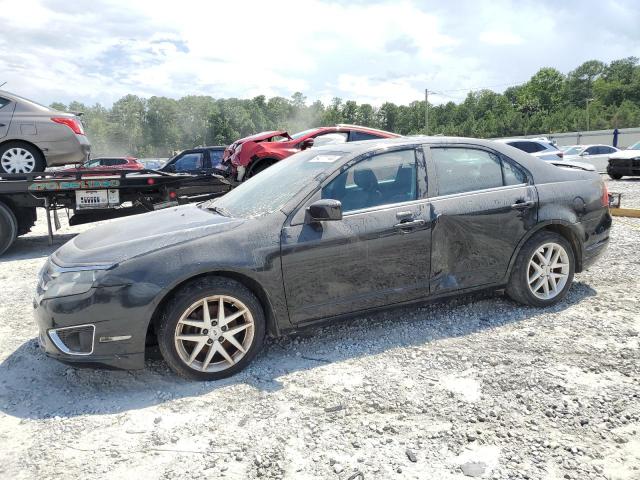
point(499, 37)
point(366, 51)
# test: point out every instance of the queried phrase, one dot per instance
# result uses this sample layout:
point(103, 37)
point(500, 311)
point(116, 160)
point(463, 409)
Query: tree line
point(549, 102)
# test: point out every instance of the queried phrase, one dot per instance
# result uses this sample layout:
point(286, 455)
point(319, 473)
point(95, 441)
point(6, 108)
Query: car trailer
point(94, 195)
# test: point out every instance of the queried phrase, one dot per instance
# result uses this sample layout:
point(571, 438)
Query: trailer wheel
point(8, 227)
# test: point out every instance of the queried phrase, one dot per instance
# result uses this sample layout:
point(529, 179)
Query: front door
point(378, 254)
point(6, 113)
point(483, 208)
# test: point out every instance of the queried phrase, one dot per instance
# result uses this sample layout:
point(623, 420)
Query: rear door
point(6, 114)
point(378, 254)
point(483, 207)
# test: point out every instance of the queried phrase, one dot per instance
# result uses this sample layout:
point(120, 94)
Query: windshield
point(574, 150)
point(274, 187)
point(635, 146)
point(302, 133)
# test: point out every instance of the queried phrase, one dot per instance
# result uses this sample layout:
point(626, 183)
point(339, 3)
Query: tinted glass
point(188, 162)
point(216, 157)
point(513, 175)
point(3, 102)
point(465, 170)
point(529, 147)
point(357, 136)
point(278, 184)
point(593, 150)
point(379, 180)
point(606, 150)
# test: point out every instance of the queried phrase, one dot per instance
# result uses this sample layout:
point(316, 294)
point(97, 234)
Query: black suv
point(196, 161)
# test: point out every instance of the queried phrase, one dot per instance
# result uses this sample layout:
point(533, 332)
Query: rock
point(473, 469)
point(411, 456)
point(338, 468)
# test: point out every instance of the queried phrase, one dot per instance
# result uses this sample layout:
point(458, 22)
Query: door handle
point(410, 224)
point(521, 205)
point(2, 125)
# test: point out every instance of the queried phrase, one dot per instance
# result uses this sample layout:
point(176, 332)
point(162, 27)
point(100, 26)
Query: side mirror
point(308, 143)
point(584, 153)
point(324, 210)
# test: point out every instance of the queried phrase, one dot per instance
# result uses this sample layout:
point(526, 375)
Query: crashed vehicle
point(356, 227)
point(625, 162)
point(248, 156)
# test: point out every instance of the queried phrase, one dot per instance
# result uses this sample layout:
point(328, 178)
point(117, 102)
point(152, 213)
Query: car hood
point(626, 154)
point(130, 237)
point(263, 136)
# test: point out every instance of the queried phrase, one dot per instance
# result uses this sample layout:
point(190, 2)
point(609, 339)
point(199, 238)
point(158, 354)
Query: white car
point(596, 155)
point(543, 149)
point(537, 147)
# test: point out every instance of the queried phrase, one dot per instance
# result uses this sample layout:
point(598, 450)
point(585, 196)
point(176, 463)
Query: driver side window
point(382, 179)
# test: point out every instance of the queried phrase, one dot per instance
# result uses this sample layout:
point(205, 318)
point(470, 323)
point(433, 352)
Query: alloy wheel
point(548, 271)
point(214, 333)
point(18, 160)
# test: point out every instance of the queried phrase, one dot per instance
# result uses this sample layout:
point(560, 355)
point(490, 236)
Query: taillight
point(70, 122)
point(605, 195)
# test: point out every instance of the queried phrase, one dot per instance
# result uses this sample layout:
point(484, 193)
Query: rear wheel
point(19, 157)
point(211, 329)
point(615, 176)
point(8, 227)
point(543, 271)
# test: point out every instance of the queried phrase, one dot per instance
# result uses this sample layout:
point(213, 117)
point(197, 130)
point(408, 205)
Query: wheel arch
point(567, 230)
point(272, 325)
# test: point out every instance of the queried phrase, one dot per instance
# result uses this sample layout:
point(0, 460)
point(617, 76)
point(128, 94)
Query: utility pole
point(426, 111)
point(588, 100)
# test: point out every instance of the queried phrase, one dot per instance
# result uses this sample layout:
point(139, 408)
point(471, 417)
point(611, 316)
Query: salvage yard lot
point(476, 386)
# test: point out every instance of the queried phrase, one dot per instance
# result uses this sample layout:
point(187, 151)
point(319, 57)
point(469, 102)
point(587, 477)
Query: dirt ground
point(473, 387)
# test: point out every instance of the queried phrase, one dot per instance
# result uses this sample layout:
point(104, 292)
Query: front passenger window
point(383, 179)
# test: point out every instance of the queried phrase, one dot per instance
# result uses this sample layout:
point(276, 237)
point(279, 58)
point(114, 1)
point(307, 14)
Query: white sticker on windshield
point(324, 159)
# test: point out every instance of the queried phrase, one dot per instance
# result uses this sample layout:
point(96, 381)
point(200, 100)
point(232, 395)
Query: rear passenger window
point(462, 170)
point(529, 147)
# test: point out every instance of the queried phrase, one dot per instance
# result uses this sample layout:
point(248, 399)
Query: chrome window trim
point(53, 335)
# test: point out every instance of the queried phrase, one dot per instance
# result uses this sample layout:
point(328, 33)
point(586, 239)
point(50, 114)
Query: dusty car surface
point(248, 156)
point(355, 227)
point(625, 162)
point(33, 137)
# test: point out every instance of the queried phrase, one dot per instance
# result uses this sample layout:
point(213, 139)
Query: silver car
point(33, 137)
point(596, 155)
point(538, 147)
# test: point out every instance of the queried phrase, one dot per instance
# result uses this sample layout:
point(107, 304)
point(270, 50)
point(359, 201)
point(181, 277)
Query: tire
point(615, 176)
point(523, 281)
point(20, 157)
point(8, 227)
point(259, 167)
point(184, 317)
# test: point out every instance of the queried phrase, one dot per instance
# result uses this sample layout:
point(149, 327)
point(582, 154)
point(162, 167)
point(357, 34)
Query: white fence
point(626, 137)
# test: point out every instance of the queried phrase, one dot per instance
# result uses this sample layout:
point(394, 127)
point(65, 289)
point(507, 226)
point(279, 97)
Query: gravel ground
point(476, 386)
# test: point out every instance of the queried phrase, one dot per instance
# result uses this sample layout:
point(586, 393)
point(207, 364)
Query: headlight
point(56, 281)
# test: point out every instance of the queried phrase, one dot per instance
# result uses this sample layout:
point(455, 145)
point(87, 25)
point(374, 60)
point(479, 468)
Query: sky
point(369, 51)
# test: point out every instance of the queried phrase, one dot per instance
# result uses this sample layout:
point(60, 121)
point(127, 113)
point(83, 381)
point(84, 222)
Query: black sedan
point(327, 233)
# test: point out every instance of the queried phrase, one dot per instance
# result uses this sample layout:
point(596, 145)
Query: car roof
point(541, 170)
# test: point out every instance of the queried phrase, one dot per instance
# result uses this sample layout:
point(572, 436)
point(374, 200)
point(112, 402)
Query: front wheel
point(615, 176)
point(543, 272)
point(211, 329)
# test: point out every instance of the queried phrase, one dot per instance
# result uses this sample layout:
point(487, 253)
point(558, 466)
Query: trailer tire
point(8, 227)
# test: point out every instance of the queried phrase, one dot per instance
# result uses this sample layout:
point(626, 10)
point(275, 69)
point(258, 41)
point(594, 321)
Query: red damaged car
point(248, 156)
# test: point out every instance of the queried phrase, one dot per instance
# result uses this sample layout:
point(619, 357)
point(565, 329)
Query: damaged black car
point(324, 234)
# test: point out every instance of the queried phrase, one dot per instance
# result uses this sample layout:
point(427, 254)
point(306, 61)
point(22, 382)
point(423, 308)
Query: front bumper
point(627, 167)
point(98, 308)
